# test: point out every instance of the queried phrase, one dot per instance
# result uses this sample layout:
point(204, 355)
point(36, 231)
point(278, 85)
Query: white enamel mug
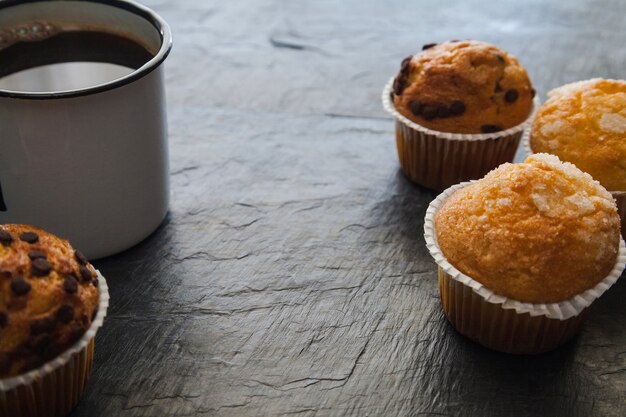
point(90, 162)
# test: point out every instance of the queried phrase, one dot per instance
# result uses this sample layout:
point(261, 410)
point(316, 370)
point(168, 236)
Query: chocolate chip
point(457, 108)
point(490, 128)
point(84, 320)
point(500, 58)
point(428, 46)
point(443, 111)
point(29, 237)
point(5, 362)
point(82, 259)
point(5, 237)
point(41, 267)
point(511, 95)
point(76, 334)
point(404, 66)
point(45, 347)
point(20, 286)
point(70, 284)
point(416, 107)
point(65, 313)
point(3, 320)
point(455, 40)
point(498, 88)
point(429, 112)
point(95, 282)
point(398, 86)
point(34, 254)
point(85, 273)
point(43, 325)
point(532, 92)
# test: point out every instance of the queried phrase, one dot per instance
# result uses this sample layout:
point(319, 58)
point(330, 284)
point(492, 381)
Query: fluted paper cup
point(54, 389)
point(619, 196)
point(438, 160)
point(499, 322)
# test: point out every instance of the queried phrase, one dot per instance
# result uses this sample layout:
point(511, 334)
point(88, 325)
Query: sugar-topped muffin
point(585, 123)
point(541, 231)
point(463, 87)
point(48, 297)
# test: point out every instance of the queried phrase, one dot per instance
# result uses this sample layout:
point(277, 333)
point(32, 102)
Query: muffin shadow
point(546, 377)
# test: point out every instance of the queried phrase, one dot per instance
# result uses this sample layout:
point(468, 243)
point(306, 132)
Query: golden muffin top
point(541, 231)
point(585, 123)
point(463, 87)
point(48, 297)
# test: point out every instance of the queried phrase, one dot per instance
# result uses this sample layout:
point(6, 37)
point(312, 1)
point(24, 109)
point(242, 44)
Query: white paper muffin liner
point(563, 310)
point(54, 388)
point(619, 196)
point(526, 141)
point(439, 159)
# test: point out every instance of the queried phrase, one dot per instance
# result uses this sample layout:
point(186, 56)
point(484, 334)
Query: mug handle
point(3, 206)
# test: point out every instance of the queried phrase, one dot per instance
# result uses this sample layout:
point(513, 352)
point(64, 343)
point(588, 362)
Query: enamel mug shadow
point(88, 164)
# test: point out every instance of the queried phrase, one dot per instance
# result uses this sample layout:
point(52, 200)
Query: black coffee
point(69, 60)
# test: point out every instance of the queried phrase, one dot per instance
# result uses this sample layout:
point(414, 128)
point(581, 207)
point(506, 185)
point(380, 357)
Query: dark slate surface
point(291, 276)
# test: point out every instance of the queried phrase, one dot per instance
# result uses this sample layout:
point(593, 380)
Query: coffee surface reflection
point(67, 61)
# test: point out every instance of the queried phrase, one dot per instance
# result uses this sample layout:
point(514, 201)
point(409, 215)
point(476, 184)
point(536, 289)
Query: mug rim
point(128, 5)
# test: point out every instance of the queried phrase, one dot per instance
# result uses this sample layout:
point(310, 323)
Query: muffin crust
point(48, 297)
point(585, 123)
point(541, 231)
point(463, 87)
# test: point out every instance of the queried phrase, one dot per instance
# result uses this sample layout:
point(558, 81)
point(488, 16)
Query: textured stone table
point(291, 276)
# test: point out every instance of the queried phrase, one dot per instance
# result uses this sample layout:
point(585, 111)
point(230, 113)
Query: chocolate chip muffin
point(585, 123)
point(463, 87)
point(48, 297)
